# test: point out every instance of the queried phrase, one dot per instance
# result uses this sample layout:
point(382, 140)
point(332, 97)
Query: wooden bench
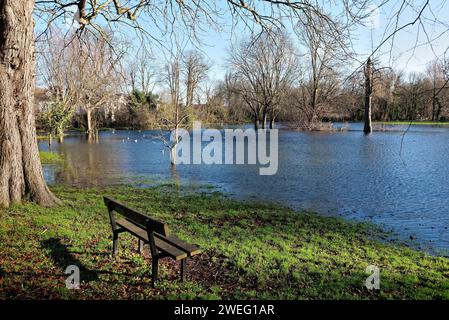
point(149, 231)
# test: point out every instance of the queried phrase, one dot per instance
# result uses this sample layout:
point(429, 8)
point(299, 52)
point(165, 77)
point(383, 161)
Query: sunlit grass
point(250, 251)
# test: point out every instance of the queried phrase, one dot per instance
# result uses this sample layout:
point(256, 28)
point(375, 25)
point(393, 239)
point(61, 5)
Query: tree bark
point(256, 122)
point(368, 96)
point(264, 120)
point(91, 131)
point(272, 121)
point(20, 168)
point(89, 121)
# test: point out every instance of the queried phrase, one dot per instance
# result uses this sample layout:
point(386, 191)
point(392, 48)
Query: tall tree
point(325, 51)
point(368, 128)
point(20, 167)
point(264, 68)
point(195, 70)
point(173, 80)
point(59, 70)
point(98, 76)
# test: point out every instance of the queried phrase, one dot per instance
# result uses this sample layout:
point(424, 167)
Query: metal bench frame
point(149, 231)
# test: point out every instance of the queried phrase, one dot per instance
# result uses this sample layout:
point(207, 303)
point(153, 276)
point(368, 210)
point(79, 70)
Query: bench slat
point(190, 249)
point(134, 229)
point(137, 217)
point(170, 250)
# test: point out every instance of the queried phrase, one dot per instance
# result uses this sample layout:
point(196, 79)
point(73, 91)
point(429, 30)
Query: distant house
point(106, 113)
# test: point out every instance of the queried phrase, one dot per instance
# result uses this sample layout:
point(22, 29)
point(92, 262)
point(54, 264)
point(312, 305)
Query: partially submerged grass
point(420, 123)
point(250, 251)
point(50, 158)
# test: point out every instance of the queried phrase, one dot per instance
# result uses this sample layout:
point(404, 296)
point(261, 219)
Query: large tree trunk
point(256, 122)
point(90, 130)
point(264, 119)
point(20, 166)
point(368, 99)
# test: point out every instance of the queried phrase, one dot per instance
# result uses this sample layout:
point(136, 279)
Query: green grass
point(250, 251)
point(421, 123)
point(50, 158)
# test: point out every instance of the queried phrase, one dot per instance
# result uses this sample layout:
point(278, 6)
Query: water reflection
point(348, 174)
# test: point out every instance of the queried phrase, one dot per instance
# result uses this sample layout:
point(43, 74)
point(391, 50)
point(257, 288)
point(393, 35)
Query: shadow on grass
point(62, 257)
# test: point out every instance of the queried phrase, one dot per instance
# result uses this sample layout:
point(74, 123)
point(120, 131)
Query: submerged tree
point(368, 128)
point(175, 113)
point(325, 52)
point(59, 70)
point(56, 116)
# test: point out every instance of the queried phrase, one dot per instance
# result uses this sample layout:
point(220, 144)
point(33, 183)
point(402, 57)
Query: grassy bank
point(251, 251)
point(50, 157)
point(415, 123)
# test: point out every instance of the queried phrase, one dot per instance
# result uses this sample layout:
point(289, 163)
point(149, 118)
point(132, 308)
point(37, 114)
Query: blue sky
point(400, 55)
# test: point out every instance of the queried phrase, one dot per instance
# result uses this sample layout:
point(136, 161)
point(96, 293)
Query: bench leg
point(115, 244)
point(154, 271)
point(183, 269)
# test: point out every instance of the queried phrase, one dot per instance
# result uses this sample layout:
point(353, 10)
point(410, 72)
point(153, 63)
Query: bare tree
point(98, 78)
point(325, 50)
point(142, 73)
point(142, 78)
point(59, 72)
point(438, 72)
point(263, 68)
point(175, 116)
point(195, 71)
point(234, 99)
point(368, 128)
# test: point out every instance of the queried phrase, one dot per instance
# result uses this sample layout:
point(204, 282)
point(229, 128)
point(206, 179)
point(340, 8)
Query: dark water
point(364, 178)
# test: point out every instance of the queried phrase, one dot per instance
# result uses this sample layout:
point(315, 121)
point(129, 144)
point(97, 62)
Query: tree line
point(268, 79)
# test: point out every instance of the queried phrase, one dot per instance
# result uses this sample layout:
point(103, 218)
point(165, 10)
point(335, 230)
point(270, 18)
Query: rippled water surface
point(405, 189)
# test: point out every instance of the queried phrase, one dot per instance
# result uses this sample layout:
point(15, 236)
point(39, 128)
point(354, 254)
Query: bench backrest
point(137, 218)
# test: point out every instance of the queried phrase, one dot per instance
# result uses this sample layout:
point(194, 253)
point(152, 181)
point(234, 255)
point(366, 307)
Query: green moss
point(250, 251)
point(50, 158)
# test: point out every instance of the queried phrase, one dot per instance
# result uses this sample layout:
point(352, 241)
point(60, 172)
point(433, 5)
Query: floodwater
point(397, 179)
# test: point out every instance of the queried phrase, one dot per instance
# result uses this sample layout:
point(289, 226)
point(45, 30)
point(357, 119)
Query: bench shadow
point(62, 257)
point(84, 252)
